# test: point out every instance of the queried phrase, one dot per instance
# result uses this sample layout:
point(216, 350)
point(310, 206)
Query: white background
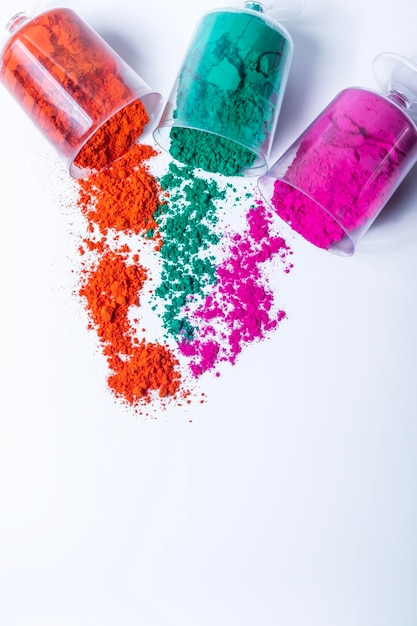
point(290, 499)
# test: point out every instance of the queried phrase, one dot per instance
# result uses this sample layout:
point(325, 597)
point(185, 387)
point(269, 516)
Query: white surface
point(291, 497)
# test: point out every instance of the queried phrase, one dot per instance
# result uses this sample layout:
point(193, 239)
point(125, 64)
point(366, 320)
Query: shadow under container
point(223, 109)
point(88, 103)
point(333, 181)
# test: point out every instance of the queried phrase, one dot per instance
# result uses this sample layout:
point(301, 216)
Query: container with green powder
point(223, 109)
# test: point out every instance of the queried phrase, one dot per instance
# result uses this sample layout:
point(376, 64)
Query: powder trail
point(187, 220)
point(240, 308)
point(118, 204)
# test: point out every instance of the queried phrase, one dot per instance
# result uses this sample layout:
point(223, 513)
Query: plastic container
point(223, 109)
point(333, 181)
point(89, 104)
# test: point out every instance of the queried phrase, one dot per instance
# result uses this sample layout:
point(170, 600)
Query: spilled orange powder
point(121, 200)
point(123, 197)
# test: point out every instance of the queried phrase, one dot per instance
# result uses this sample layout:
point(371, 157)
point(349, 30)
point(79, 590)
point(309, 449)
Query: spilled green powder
point(187, 220)
point(230, 87)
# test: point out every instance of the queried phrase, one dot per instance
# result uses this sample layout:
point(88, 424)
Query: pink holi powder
point(240, 309)
point(344, 168)
point(305, 216)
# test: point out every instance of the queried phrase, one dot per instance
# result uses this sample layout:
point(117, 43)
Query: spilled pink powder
point(240, 308)
point(346, 164)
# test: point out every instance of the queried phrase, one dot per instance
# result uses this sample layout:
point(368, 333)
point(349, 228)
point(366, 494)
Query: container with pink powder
point(333, 181)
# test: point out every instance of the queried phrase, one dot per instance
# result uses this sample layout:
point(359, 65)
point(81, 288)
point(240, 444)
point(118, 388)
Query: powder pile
point(240, 308)
point(111, 288)
point(229, 86)
point(111, 140)
point(119, 203)
point(123, 197)
point(187, 222)
point(347, 164)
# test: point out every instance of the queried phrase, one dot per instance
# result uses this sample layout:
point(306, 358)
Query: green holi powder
point(187, 224)
point(209, 152)
point(229, 92)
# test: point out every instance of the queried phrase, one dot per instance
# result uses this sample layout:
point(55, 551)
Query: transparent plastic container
point(88, 103)
point(333, 181)
point(223, 108)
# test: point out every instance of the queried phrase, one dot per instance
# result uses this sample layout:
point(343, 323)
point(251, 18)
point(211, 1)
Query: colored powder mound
point(209, 152)
point(114, 138)
point(305, 216)
point(110, 288)
point(240, 307)
point(187, 219)
point(117, 203)
point(138, 368)
point(229, 86)
point(346, 164)
point(123, 197)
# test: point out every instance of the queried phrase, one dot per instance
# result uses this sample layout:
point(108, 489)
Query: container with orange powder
point(88, 103)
